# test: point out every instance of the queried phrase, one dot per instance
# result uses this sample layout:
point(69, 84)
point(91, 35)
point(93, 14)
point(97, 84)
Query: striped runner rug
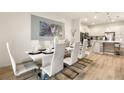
point(71, 72)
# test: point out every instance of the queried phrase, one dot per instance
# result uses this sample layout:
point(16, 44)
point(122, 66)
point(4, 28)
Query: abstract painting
point(43, 28)
point(47, 29)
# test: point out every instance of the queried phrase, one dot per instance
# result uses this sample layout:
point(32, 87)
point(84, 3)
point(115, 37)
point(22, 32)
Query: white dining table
point(41, 57)
point(37, 57)
point(44, 59)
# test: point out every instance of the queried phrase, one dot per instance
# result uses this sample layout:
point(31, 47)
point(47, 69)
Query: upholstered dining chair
point(56, 63)
point(82, 50)
point(92, 48)
point(21, 68)
point(74, 55)
point(35, 45)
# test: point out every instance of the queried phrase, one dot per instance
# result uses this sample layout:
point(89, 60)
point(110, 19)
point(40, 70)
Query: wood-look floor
point(105, 67)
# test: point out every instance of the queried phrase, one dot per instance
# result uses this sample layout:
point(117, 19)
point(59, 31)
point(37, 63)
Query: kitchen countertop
point(102, 41)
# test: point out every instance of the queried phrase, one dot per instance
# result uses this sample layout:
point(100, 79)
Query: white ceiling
point(101, 17)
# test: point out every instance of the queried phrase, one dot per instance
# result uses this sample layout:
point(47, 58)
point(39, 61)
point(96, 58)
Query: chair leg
point(36, 73)
point(66, 65)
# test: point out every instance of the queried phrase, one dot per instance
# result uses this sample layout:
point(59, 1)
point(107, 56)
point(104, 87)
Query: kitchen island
point(107, 47)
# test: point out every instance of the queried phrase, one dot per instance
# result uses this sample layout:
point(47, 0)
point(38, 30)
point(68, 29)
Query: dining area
point(51, 46)
point(40, 47)
point(47, 62)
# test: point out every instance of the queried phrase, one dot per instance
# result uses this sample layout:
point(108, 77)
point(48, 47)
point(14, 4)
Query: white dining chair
point(94, 47)
point(21, 68)
point(35, 45)
point(74, 55)
point(56, 63)
point(56, 40)
point(82, 51)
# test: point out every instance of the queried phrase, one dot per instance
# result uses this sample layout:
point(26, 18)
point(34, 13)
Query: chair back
point(82, 49)
point(75, 52)
point(94, 47)
point(57, 60)
point(85, 43)
point(35, 45)
point(11, 58)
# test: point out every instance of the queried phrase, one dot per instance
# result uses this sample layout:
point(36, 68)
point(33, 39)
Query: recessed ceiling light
point(94, 17)
point(108, 29)
point(112, 20)
point(85, 19)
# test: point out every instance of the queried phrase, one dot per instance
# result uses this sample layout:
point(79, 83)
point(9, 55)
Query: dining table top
point(38, 55)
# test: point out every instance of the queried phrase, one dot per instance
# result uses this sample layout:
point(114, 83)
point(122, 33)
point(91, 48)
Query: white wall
point(15, 28)
point(99, 30)
point(84, 28)
point(118, 28)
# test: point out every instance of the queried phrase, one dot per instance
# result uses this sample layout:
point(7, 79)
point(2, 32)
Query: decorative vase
point(56, 40)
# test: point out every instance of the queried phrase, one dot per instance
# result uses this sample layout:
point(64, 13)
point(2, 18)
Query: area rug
point(71, 72)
